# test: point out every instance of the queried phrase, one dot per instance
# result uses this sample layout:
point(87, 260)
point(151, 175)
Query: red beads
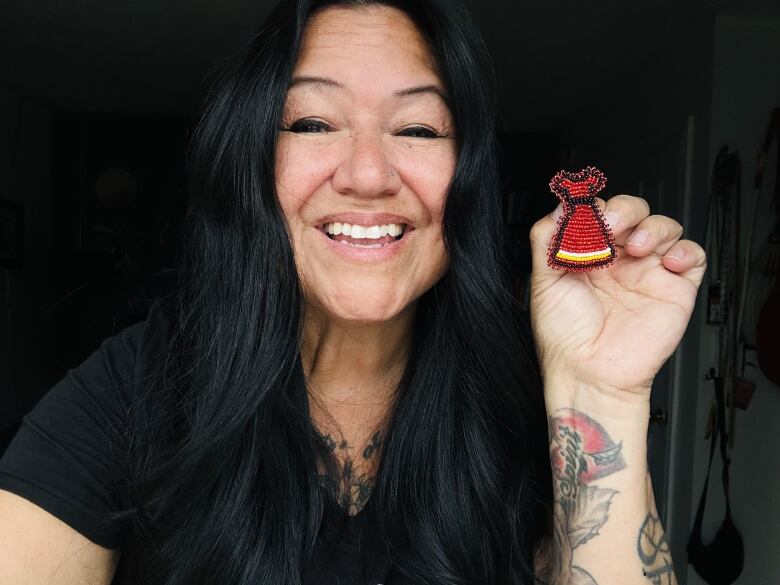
point(583, 240)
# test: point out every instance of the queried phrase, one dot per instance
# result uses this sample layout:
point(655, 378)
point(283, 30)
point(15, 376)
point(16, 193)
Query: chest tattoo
point(354, 482)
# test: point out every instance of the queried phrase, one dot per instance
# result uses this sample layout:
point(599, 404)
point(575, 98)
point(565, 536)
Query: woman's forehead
point(379, 38)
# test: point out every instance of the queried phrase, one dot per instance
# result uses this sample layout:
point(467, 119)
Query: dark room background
point(97, 100)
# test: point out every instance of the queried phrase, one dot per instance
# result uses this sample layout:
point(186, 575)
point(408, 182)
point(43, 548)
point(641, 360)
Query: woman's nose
point(366, 170)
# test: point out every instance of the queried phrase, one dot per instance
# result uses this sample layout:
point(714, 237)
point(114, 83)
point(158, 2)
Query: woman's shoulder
point(70, 456)
point(153, 329)
point(123, 360)
point(148, 340)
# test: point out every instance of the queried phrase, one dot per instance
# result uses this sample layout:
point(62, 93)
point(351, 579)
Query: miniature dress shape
point(583, 241)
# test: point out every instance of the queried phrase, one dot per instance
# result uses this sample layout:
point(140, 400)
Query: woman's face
point(367, 148)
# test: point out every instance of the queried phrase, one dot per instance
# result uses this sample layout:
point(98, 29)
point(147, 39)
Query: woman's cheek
point(429, 172)
point(300, 170)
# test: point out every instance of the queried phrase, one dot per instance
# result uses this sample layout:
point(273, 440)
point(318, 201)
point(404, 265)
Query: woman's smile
point(366, 248)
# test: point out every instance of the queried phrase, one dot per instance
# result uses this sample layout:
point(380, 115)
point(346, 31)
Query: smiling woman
point(370, 381)
point(341, 390)
point(380, 158)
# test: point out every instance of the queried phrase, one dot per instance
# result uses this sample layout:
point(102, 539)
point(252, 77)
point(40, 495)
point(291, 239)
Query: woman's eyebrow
point(423, 89)
point(321, 81)
point(332, 83)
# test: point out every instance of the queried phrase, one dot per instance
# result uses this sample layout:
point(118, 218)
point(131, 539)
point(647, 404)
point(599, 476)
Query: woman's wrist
point(624, 417)
point(598, 400)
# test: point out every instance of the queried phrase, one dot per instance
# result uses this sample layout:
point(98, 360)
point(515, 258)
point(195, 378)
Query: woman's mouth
point(357, 236)
point(366, 244)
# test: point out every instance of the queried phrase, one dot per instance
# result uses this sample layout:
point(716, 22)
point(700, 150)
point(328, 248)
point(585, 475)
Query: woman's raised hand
point(613, 328)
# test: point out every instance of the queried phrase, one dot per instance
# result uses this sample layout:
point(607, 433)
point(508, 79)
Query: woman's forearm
point(606, 525)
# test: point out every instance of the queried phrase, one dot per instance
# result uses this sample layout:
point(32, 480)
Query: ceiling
point(151, 56)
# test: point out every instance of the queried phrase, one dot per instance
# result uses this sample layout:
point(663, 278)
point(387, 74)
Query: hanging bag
point(721, 561)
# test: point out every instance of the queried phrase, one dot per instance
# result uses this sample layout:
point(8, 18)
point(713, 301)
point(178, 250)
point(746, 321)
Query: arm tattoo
point(654, 551)
point(351, 488)
point(581, 452)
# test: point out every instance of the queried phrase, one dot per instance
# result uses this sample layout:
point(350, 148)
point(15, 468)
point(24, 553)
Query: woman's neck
point(355, 367)
point(352, 372)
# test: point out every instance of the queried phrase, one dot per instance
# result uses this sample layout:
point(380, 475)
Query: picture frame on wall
point(11, 215)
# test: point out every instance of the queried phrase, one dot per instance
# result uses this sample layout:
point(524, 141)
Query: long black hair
point(224, 456)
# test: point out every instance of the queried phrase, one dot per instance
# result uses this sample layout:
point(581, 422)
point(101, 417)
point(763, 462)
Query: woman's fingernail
point(639, 238)
point(612, 219)
point(677, 254)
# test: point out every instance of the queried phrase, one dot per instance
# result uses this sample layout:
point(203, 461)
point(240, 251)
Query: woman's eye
point(419, 132)
point(309, 126)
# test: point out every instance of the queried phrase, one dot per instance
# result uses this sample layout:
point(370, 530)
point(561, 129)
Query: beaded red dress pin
point(583, 240)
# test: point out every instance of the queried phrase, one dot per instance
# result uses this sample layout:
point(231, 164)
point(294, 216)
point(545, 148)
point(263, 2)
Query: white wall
point(25, 168)
point(746, 86)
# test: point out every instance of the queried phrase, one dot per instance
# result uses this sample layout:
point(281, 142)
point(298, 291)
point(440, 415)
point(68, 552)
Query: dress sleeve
point(69, 455)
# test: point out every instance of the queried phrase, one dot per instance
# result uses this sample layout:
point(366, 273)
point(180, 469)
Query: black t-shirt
point(66, 458)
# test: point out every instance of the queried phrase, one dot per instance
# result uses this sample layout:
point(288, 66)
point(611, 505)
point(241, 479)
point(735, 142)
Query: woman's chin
point(358, 306)
point(363, 314)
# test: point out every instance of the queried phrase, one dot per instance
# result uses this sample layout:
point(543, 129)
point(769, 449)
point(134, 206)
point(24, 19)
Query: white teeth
point(358, 231)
